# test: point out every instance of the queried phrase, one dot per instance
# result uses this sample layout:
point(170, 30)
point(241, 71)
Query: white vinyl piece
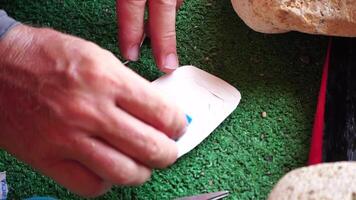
point(207, 99)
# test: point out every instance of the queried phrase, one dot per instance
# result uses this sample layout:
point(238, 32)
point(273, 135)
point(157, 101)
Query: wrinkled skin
point(72, 111)
point(160, 28)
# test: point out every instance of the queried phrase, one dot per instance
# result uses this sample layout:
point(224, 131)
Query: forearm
point(15, 79)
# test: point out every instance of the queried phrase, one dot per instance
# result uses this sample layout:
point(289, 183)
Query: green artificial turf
point(247, 154)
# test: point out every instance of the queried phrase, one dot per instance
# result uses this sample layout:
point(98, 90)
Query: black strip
point(340, 111)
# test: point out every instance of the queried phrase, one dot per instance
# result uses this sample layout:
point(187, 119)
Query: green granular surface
point(247, 154)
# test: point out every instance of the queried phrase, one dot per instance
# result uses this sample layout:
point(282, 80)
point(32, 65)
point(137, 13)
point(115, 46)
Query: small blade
point(207, 196)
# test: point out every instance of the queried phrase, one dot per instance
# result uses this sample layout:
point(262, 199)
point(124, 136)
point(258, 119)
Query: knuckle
point(169, 35)
point(69, 141)
point(167, 3)
point(91, 72)
point(172, 154)
point(160, 156)
point(77, 109)
point(155, 154)
point(172, 125)
point(81, 68)
point(126, 93)
point(90, 153)
point(145, 178)
point(130, 35)
point(137, 3)
point(168, 124)
point(164, 110)
point(89, 69)
point(127, 174)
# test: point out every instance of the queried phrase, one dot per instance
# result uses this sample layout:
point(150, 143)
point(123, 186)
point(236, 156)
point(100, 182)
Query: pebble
point(264, 114)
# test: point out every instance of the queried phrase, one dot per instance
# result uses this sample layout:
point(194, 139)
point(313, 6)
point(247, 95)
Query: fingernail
point(132, 53)
point(171, 61)
point(189, 121)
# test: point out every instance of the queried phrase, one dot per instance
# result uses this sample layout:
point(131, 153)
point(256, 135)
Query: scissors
point(207, 196)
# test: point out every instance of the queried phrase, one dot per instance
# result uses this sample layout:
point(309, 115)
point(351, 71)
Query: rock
point(326, 17)
point(323, 181)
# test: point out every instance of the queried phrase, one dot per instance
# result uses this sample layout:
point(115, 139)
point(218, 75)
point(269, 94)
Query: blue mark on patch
point(189, 119)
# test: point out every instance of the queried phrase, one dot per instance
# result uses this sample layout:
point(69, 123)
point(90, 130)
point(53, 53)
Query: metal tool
point(207, 196)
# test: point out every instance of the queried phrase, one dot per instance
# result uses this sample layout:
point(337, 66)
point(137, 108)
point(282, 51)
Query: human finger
point(138, 140)
point(130, 17)
point(110, 164)
point(76, 178)
point(162, 17)
point(144, 102)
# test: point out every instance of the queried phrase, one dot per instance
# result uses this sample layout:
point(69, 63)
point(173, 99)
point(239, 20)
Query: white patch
point(207, 99)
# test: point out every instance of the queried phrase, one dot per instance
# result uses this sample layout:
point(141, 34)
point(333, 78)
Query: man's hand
point(161, 28)
point(71, 110)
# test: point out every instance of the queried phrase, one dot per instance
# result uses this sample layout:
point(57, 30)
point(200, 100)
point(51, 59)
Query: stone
point(323, 181)
point(325, 17)
point(264, 114)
